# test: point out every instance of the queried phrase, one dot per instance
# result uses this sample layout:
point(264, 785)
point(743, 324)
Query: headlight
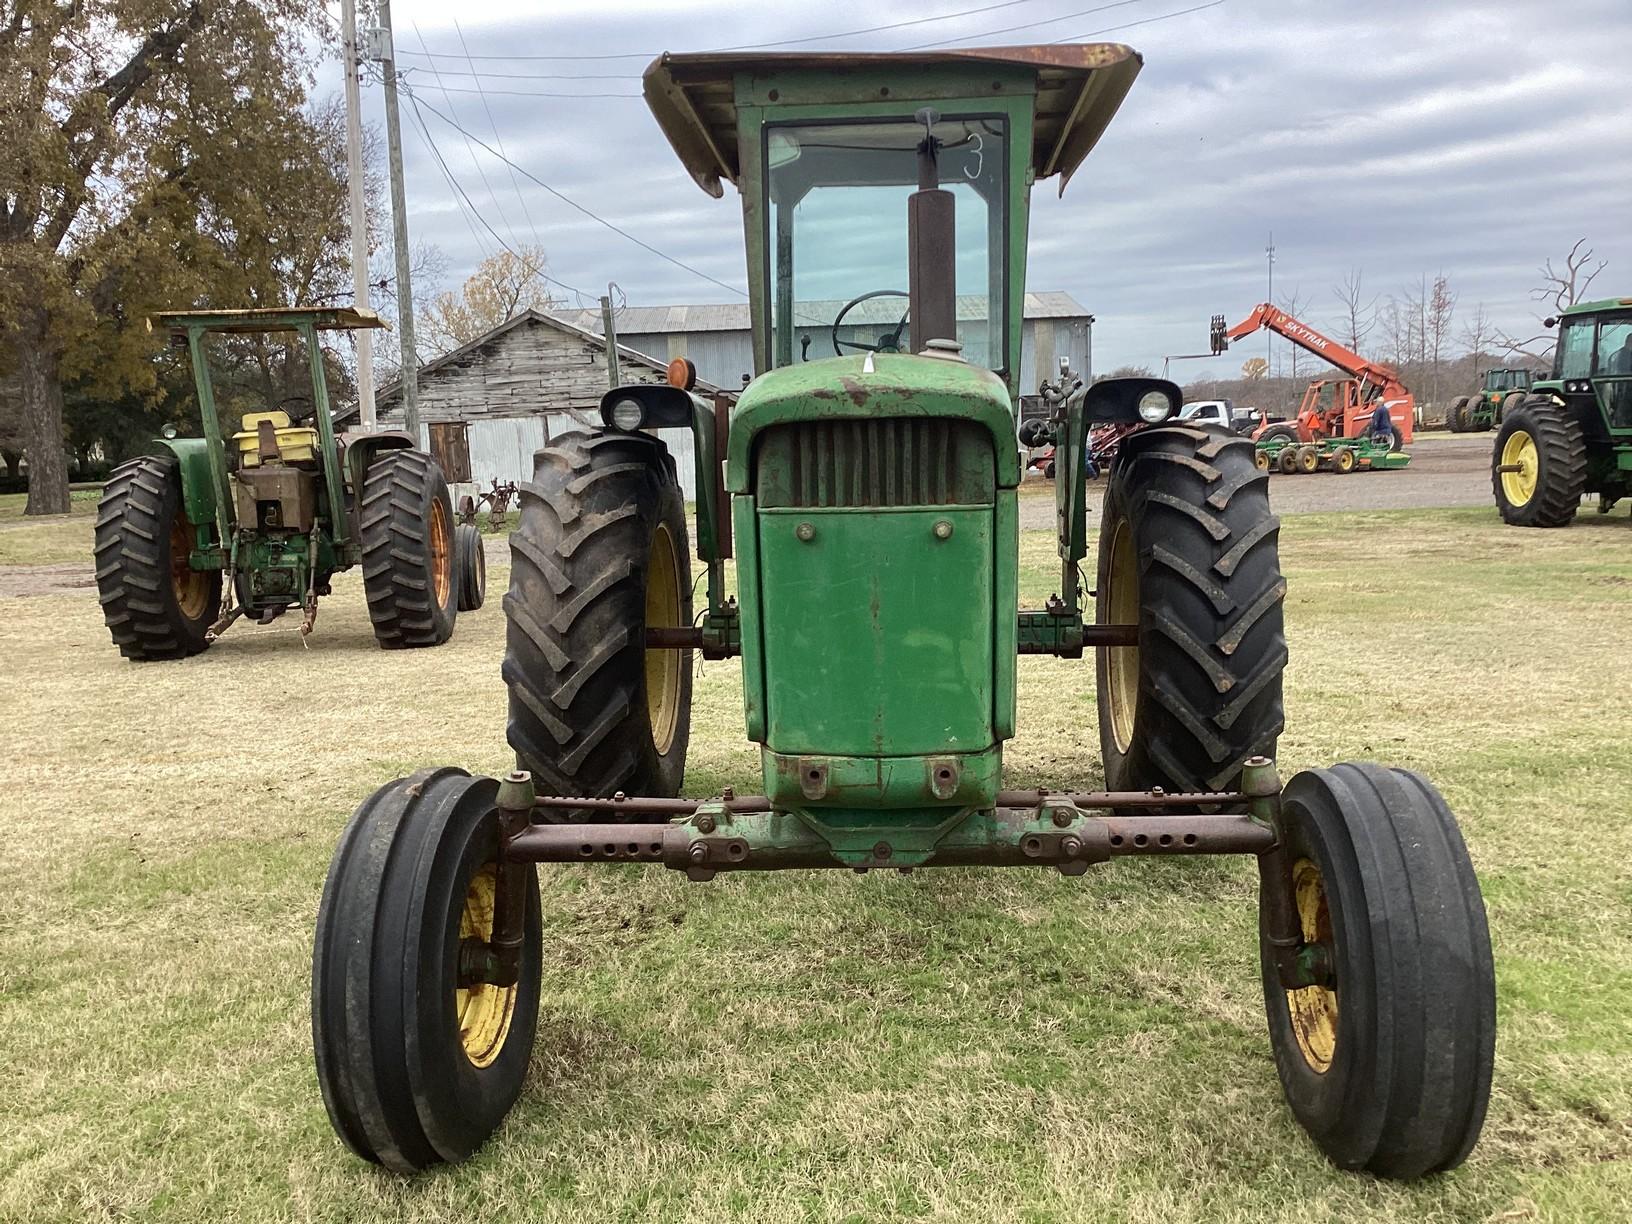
point(1154, 407)
point(169, 431)
point(627, 414)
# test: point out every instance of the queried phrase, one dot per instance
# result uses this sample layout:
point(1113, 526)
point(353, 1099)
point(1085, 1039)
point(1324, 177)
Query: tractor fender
point(197, 482)
point(358, 450)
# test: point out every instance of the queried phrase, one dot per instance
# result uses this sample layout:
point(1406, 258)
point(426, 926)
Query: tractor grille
point(885, 461)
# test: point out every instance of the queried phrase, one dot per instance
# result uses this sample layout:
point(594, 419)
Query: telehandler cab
point(256, 522)
point(870, 501)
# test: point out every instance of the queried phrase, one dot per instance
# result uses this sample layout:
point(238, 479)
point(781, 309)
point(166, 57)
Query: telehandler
point(869, 499)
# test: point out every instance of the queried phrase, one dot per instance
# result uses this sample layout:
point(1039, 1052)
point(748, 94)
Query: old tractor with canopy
point(256, 522)
point(1572, 435)
point(869, 499)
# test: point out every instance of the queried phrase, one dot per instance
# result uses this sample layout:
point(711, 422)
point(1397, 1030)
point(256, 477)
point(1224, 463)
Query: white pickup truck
point(1223, 413)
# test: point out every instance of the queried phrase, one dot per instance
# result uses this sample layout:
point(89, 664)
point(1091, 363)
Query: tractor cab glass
point(1614, 369)
point(836, 237)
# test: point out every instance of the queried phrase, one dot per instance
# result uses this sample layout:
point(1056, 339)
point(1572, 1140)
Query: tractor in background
point(256, 522)
point(1504, 387)
point(871, 503)
point(1572, 435)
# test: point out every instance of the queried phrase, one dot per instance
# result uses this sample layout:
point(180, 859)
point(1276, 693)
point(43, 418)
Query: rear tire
point(1509, 402)
point(600, 548)
point(470, 562)
point(407, 536)
point(413, 1069)
point(1456, 419)
point(1546, 441)
point(155, 605)
point(1388, 1066)
point(1187, 548)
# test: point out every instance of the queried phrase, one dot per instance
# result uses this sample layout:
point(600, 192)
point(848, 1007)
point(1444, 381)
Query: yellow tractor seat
point(295, 443)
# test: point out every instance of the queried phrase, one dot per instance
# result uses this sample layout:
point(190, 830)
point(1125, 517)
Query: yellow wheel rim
point(441, 553)
point(1313, 1009)
point(1122, 662)
point(191, 591)
point(484, 1010)
point(664, 668)
point(1520, 451)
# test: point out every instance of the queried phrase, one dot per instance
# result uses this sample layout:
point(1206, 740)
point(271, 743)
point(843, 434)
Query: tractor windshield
point(837, 234)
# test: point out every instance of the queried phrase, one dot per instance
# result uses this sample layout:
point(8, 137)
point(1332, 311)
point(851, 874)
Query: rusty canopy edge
point(1103, 73)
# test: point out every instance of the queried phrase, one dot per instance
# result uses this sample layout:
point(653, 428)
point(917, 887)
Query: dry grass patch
point(951, 1045)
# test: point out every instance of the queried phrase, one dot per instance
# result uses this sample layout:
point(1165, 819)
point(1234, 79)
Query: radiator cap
point(946, 350)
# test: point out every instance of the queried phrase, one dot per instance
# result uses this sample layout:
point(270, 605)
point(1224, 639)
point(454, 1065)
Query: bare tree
point(1359, 315)
point(1441, 311)
point(1476, 333)
point(1558, 291)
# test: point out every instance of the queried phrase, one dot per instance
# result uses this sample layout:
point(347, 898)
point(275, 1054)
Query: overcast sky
point(1400, 137)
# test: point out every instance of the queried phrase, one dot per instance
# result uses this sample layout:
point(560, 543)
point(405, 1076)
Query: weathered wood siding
point(531, 368)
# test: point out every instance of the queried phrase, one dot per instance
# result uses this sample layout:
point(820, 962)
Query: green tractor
point(868, 493)
point(1504, 387)
point(1572, 435)
point(255, 523)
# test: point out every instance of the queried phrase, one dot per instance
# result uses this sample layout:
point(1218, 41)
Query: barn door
point(450, 447)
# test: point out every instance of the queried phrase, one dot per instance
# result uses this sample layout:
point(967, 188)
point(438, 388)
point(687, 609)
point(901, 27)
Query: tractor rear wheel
point(1511, 401)
point(1541, 448)
point(1386, 1061)
point(407, 536)
point(1456, 419)
point(155, 604)
point(599, 554)
point(470, 564)
point(1187, 550)
point(418, 1063)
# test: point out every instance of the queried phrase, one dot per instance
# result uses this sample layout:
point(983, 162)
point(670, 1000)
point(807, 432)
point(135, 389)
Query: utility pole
point(1269, 336)
point(359, 214)
point(386, 54)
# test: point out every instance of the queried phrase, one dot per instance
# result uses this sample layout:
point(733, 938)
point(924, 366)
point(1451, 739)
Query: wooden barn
point(489, 404)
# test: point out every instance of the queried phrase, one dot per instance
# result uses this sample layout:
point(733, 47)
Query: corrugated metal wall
point(502, 449)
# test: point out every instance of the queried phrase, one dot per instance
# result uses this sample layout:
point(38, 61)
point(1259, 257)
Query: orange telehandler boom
point(1345, 411)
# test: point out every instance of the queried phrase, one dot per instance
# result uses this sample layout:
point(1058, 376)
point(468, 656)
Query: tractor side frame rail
point(1026, 828)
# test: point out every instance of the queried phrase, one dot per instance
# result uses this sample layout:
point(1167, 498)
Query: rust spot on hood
point(859, 395)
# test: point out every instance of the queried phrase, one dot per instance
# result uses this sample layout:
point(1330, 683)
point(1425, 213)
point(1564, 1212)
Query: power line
point(1030, 25)
point(1128, 25)
point(569, 201)
point(499, 140)
point(526, 263)
point(784, 42)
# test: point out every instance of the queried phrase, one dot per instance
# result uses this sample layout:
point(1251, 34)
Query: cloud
point(1392, 136)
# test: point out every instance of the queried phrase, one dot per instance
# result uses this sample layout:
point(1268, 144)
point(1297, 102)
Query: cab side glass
point(1575, 349)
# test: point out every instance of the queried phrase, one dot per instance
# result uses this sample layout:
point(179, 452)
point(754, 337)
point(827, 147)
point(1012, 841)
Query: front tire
point(155, 605)
point(1387, 1064)
point(599, 553)
point(1543, 444)
point(1187, 549)
point(407, 536)
point(415, 1069)
point(470, 564)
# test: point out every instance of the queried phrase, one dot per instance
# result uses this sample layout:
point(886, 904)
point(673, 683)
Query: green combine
point(1572, 435)
point(868, 494)
point(256, 522)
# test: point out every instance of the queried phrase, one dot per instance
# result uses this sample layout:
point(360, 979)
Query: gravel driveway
point(1446, 470)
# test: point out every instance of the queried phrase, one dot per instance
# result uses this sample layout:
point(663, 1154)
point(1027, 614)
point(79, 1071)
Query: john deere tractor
point(256, 522)
point(868, 492)
point(1572, 435)
point(1503, 387)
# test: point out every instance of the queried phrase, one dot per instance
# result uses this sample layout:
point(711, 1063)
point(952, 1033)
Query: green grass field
point(953, 1045)
point(55, 539)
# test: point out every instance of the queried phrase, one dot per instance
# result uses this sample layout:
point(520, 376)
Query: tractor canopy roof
point(1078, 86)
point(1595, 307)
point(269, 319)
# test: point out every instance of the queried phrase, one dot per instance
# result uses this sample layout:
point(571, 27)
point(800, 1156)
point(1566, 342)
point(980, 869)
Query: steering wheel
point(889, 343)
point(298, 407)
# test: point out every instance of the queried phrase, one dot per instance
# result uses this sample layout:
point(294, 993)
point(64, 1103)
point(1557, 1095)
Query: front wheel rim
point(664, 668)
point(1519, 452)
point(1122, 662)
point(484, 1011)
point(1313, 1009)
